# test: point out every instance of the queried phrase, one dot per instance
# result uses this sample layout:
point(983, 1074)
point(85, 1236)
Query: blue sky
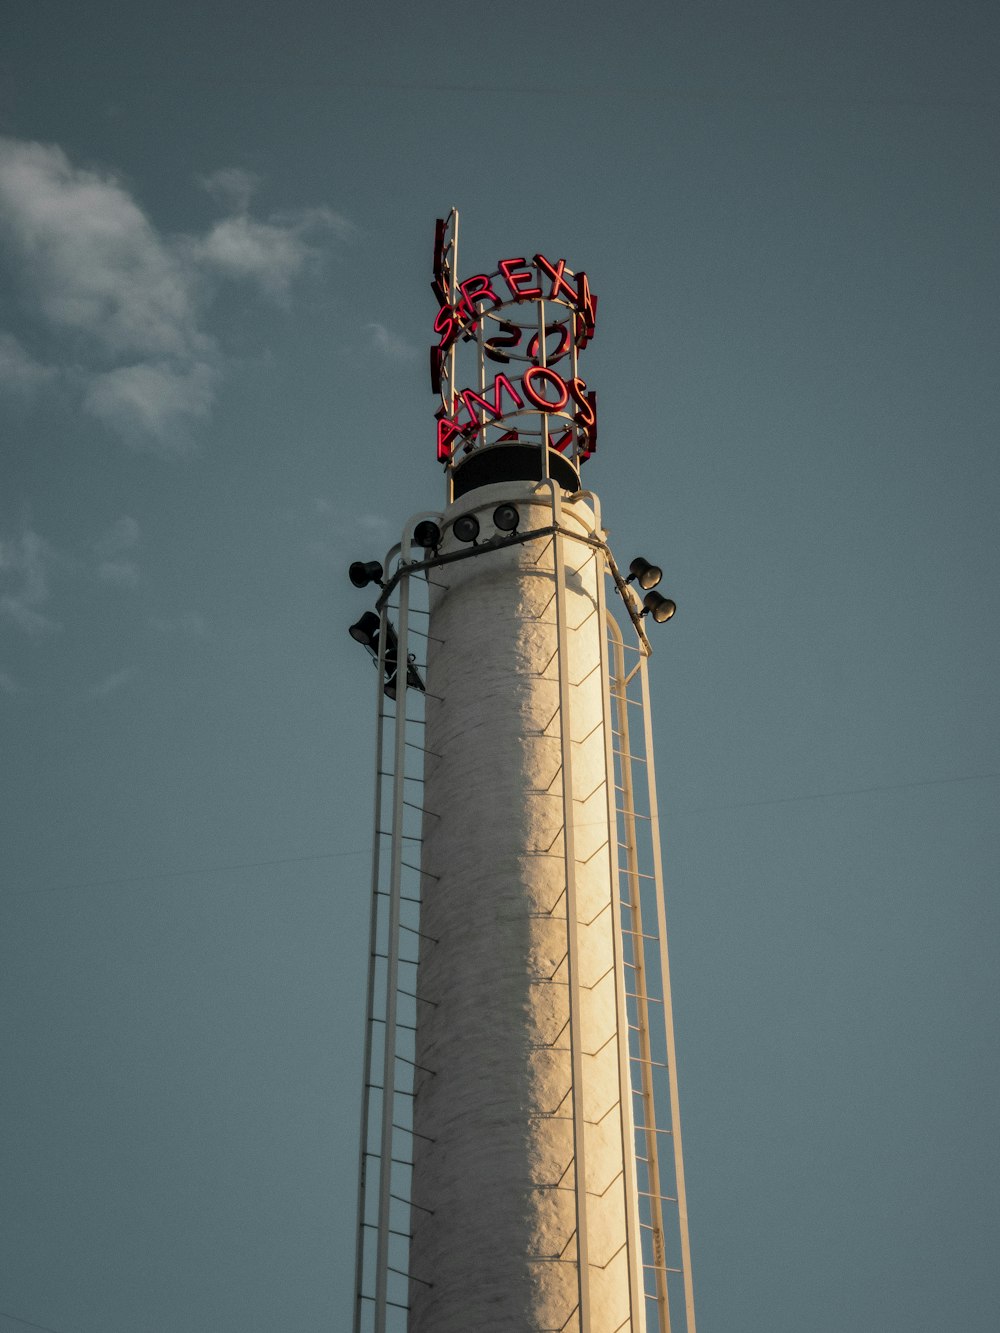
point(215, 241)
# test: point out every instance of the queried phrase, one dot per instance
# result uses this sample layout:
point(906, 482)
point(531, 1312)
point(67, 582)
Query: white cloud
point(24, 564)
point(19, 371)
point(90, 258)
point(233, 187)
point(112, 683)
point(239, 247)
point(269, 253)
point(115, 295)
point(123, 305)
point(391, 344)
point(153, 404)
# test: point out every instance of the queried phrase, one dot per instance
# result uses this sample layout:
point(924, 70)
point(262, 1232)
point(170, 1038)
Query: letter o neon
point(536, 396)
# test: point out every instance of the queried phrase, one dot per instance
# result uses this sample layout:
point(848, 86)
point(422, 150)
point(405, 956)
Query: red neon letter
point(586, 302)
point(474, 289)
point(492, 344)
point(587, 414)
point(560, 351)
point(447, 430)
point(582, 298)
point(559, 283)
point(494, 409)
point(440, 227)
point(543, 372)
point(514, 279)
point(446, 324)
point(438, 285)
point(583, 326)
point(590, 432)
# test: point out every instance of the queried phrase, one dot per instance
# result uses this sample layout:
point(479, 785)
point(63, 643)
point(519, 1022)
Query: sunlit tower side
point(521, 1162)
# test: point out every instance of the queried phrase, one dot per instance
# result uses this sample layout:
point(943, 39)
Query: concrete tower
point(514, 1174)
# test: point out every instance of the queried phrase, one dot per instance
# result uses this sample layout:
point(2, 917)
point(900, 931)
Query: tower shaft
point(522, 1110)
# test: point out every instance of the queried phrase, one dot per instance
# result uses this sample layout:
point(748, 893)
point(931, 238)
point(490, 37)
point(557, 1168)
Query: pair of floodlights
point(648, 576)
point(368, 632)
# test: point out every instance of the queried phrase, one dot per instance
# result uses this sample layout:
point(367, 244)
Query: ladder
point(387, 1134)
point(659, 1169)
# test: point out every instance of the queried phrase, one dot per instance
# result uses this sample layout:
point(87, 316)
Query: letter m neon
point(495, 408)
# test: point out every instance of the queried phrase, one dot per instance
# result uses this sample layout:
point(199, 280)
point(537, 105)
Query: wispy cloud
point(232, 187)
point(115, 550)
point(19, 371)
point(24, 579)
point(345, 535)
point(270, 254)
point(91, 262)
point(122, 305)
point(8, 685)
point(390, 344)
point(154, 404)
point(112, 683)
point(28, 563)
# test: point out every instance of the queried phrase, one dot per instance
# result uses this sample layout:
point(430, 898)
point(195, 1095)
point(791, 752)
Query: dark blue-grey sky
point(215, 233)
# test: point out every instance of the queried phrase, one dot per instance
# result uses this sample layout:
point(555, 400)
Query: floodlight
point(427, 534)
point(506, 518)
point(363, 572)
point(413, 680)
point(659, 607)
point(366, 630)
point(647, 575)
point(466, 528)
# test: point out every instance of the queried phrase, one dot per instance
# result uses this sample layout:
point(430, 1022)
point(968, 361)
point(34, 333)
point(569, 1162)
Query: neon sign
point(535, 317)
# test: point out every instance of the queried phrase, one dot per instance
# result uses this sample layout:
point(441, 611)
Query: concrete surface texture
point(494, 1226)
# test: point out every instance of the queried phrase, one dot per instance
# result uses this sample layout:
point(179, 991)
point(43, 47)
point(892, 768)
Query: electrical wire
point(364, 851)
point(27, 1323)
point(827, 795)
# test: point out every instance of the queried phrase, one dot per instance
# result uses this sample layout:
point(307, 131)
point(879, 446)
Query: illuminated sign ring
point(488, 311)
